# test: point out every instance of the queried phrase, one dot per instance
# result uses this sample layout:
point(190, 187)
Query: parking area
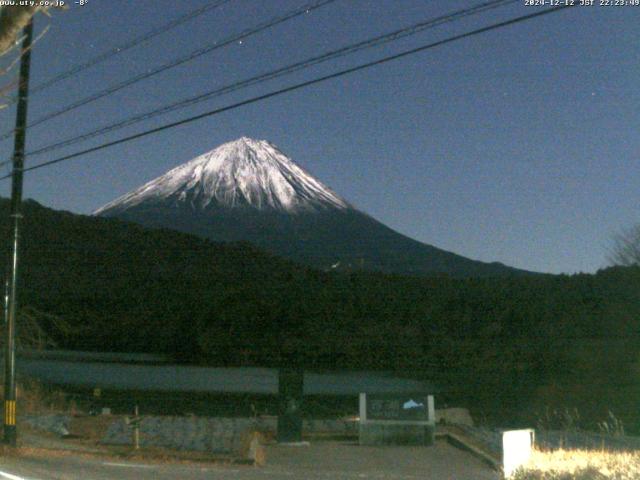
point(348, 460)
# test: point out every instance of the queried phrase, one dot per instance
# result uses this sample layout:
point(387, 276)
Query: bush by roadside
point(580, 465)
point(36, 397)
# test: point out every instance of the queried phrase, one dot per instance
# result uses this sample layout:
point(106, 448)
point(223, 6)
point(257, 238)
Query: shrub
point(580, 465)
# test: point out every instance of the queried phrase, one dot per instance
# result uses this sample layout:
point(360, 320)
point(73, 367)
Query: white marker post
point(517, 446)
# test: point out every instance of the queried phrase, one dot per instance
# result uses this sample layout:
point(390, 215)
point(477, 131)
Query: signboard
point(397, 419)
point(398, 407)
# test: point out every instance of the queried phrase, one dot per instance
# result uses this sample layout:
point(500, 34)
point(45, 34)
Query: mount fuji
point(248, 190)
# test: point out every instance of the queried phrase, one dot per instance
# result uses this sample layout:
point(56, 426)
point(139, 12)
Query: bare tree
point(626, 247)
point(12, 21)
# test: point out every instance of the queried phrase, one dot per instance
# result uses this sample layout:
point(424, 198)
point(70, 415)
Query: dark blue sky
point(520, 145)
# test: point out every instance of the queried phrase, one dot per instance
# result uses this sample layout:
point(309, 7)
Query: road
point(320, 461)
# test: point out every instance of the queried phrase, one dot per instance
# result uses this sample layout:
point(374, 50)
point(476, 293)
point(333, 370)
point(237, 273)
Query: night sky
point(520, 145)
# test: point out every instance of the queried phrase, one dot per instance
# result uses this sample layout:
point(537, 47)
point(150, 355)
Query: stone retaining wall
point(57, 423)
point(218, 435)
point(209, 434)
point(206, 434)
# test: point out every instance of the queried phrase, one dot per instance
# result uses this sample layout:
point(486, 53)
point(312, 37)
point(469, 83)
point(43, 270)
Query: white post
point(431, 410)
point(363, 407)
point(136, 429)
point(516, 449)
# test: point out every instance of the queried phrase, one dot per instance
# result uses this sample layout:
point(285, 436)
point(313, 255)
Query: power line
point(126, 46)
point(298, 86)
point(291, 68)
point(179, 61)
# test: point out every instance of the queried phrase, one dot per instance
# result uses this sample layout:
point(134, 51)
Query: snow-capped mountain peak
point(242, 173)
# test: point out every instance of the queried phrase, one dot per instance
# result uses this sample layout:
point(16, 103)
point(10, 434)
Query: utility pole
point(10, 432)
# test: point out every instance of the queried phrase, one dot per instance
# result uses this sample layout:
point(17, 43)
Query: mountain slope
point(248, 190)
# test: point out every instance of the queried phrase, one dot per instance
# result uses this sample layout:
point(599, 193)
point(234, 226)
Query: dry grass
point(34, 397)
point(581, 465)
point(92, 428)
point(252, 448)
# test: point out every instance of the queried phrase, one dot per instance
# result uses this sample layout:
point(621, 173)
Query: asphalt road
point(321, 461)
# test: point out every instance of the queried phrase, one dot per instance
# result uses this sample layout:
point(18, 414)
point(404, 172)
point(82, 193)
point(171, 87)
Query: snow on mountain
point(244, 172)
point(249, 191)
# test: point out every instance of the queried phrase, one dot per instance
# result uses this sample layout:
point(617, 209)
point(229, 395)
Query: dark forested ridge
point(343, 240)
point(498, 345)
